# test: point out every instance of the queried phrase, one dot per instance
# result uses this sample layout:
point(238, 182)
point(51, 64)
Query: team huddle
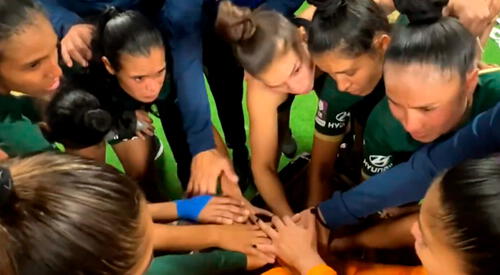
point(403, 177)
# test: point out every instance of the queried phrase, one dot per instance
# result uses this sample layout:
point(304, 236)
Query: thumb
point(309, 220)
point(228, 170)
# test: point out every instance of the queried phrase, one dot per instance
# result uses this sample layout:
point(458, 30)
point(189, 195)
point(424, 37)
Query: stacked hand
point(293, 242)
point(75, 46)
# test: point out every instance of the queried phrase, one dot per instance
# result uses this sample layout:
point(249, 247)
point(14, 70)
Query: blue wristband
point(190, 209)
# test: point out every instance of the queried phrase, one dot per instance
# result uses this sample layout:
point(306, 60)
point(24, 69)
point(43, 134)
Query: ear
point(381, 42)
point(303, 34)
point(471, 81)
point(108, 66)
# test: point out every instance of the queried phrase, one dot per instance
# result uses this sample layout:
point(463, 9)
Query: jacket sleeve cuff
point(201, 141)
point(335, 212)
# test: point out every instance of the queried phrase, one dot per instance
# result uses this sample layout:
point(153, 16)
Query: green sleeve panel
point(204, 263)
point(385, 140)
point(19, 136)
point(333, 113)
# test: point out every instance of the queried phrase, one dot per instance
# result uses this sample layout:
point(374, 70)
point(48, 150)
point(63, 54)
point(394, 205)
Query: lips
point(55, 85)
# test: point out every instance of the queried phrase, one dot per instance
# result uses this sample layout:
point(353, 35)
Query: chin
point(424, 139)
point(307, 89)
point(147, 100)
point(304, 92)
point(360, 92)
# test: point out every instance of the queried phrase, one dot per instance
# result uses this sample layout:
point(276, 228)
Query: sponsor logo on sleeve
point(377, 164)
point(321, 113)
point(341, 120)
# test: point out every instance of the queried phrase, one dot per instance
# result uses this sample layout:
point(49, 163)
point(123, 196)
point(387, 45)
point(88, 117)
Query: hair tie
point(6, 186)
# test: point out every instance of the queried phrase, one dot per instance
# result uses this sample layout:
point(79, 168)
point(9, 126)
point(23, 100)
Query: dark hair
point(76, 118)
point(431, 38)
point(256, 35)
point(470, 199)
point(16, 14)
point(127, 32)
point(69, 215)
point(347, 25)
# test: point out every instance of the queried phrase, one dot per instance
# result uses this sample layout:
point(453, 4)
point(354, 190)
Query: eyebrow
point(137, 76)
point(392, 101)
point(39, 59)
point(425, 106)
point(36, 60)
point(344, 71)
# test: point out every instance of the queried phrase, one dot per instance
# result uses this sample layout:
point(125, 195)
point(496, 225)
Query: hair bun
point(234, 23)
point(421, 11)
point(97, 119)
point(110, 13)
point(327, 7)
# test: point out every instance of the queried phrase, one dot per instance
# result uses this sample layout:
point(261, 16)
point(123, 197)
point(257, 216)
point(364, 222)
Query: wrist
point(190, 209)
point(214, 237)
point(319, 216)
point(308, 261)
point(163, 211)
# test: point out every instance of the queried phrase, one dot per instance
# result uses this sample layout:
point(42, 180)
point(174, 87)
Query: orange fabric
point(317, 270)
point(356, 269)
point(278, 271)
point(377, 269)
point(321, 270)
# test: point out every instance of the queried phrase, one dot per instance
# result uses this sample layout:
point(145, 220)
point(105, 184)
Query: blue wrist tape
point(190, 209)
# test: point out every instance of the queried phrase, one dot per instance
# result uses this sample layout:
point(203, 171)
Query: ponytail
point(256, 35)
point(431, 38)
point(123, 32)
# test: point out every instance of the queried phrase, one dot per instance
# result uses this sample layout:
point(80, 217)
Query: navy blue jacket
point(182, 21)
point(409, 181)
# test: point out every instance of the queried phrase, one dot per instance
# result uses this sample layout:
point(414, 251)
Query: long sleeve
point(214, 262)
point(61, 18)
point(183, 21)
point(409, 181)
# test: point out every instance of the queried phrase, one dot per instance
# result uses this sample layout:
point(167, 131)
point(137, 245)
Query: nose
point(343, 84)
point(152, 86)
point(54, 70)
point(412, 123)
